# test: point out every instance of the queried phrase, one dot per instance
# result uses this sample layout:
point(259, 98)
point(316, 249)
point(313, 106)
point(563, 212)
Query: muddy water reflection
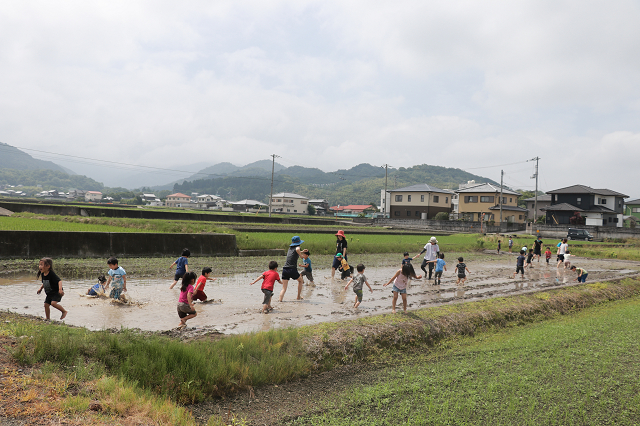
point(237, 306)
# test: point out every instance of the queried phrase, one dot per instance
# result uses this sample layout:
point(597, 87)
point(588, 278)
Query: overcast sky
point(329, 84)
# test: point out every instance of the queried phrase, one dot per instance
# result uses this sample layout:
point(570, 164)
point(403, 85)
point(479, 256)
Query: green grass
point(32, 224)
point(576, 370)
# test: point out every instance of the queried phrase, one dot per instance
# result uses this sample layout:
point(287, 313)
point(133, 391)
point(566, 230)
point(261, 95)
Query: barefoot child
point(119, 277)
point(357, 281)
point(582, 274)
point(400, 280)
point(499, 245)
point(462, 268)
point(290, 268)
point(520, 265)
point(547, 255)
point(406, 258)
point(186, 310)
point(182, 266)
point(306, 265)
point(529, 263)
point(510, 244)
point(268, 279)
point(567, 257)
point(202, 281)
point(440, 267)
point(52, 285)
point(97, 289)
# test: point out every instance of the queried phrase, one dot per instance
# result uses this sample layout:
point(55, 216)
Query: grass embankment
point(158, 368)
point(576, 370)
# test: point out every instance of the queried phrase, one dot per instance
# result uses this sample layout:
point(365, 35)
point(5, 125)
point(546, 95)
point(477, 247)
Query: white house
point(93, 196)
point(288, 202)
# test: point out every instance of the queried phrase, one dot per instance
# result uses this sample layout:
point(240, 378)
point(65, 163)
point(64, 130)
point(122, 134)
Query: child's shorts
point(548, 258)
point(307, 274)
point(519, 269)
point(358, 294)
point(438, 274)
point(199, 295)
point(561, 258)
point(92, 291)
point(397, 290)
point(184, 309)
point(116, 293)
point(290, 274)
point(268, 294)
point(462, 276)
point(178, 276)
point(52, 297)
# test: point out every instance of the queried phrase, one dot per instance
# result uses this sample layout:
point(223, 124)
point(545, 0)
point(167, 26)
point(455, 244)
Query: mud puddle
point(237, 305)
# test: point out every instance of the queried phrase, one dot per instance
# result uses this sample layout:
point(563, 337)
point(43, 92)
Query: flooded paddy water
point(237, 305)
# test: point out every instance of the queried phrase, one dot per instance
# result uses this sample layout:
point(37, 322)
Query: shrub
point(441, 216)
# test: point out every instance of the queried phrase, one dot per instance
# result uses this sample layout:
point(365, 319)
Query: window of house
point(422, 198)
point(619, 203)
point(470, 198)
point(635, 209)
point(417, 213)
point(295, 211)
point(578, 200)
point(520, 217)
point(409, 198)
point(303, 202)
point(609, 219)
point(510, 199)
point(436, 199)
point(288, 210)
point(396, 213)
point(504, 200)
point(446, 200)
point(398, 197)
point(408, 212)
point(486, 199)
point(604, 201)
point(615, 220)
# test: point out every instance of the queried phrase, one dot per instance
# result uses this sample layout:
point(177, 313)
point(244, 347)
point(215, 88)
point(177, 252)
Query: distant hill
point(12, 158)
point(48, 179)
point(358, 185)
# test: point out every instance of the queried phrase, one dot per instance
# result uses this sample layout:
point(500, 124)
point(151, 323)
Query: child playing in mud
point(344, 268)
point(52, 285)
point(306, 265)
point(400, 280)
point(499, 244)
point(440, 267)
point(510, 244)
point(567, 256)
point(202, 281)
point(268, 279)
point(97, 289)
point(406, 258)
point(357, 281)
point(186, 310)
point(529, 259)
point(182, 266)
point(547, 255)
point(461, 267)
point(582, 274)
point(119, 277)
point(520, 265)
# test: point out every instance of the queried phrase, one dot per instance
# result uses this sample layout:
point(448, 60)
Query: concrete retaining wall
point(445, 225)
point(146, 213)
point(37, 244)
point(598, 232)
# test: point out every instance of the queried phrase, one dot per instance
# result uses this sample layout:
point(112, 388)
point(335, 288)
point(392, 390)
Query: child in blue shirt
point(306, 264)
point(182, 266)
point(440, 266)
point(97, 289)
point(406, 258)
point(117, 279)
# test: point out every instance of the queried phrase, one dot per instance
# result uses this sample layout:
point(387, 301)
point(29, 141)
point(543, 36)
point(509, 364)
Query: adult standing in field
point(290, 268)
point(431, 250)
point(341, 247)
point(537, 248)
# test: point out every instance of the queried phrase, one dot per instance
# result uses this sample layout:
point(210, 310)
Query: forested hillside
point(48, 179)
point(13, 158)
point(359, 185)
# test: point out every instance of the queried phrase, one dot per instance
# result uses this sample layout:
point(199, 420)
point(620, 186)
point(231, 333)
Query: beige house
point(287, 202)
point(412, 202)
point(474, 200)
point(178, 200)
point(93, 196)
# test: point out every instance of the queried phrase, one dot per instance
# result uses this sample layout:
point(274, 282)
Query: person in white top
point(561, 252)
point(432, 250)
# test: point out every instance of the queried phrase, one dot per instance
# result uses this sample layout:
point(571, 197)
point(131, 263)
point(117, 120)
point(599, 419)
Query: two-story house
point(93, 196)
point(288, 202)
point(632, 208)
point(178, 200)
point(484, 198)
point(412, 202)
point(599, 207)
point(543, 201)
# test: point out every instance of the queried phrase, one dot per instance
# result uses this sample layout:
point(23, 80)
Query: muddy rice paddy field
point(236, 306)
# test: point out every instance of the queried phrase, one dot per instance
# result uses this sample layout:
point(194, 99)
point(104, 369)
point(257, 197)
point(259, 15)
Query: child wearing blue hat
point(290, 268)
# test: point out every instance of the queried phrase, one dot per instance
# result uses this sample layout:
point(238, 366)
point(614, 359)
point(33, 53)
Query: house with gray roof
point(416, 201)
point(543, 201)
point(481, 202)
point(598, 207)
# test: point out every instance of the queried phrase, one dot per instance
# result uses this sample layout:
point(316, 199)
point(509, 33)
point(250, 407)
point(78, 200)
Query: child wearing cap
point(344, 267)
point(341, 247)
point(290, 268)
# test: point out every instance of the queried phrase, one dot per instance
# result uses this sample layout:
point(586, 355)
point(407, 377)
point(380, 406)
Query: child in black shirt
point(52, 285)
point(520, 265)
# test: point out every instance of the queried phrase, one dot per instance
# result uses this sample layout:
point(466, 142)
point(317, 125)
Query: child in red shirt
point(269, 278)
point(547, 254)
point(202, 281)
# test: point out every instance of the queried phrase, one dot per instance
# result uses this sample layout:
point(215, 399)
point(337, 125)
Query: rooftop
point(545, 197)
point(421, 187)
point(486, 188)
point(583, 189)
point(288, 195)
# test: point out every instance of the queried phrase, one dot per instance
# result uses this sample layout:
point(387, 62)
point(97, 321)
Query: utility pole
point(535, 204)
point(384, 198)
point(501, 178)
point(273, 164)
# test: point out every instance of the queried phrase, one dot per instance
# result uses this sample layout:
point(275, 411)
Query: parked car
point(579, 234)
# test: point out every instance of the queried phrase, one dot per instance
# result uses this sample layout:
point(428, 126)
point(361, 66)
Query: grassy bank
point(575, 370)
point(160, 369)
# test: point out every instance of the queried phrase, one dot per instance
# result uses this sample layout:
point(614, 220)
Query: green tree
point(311, 209)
